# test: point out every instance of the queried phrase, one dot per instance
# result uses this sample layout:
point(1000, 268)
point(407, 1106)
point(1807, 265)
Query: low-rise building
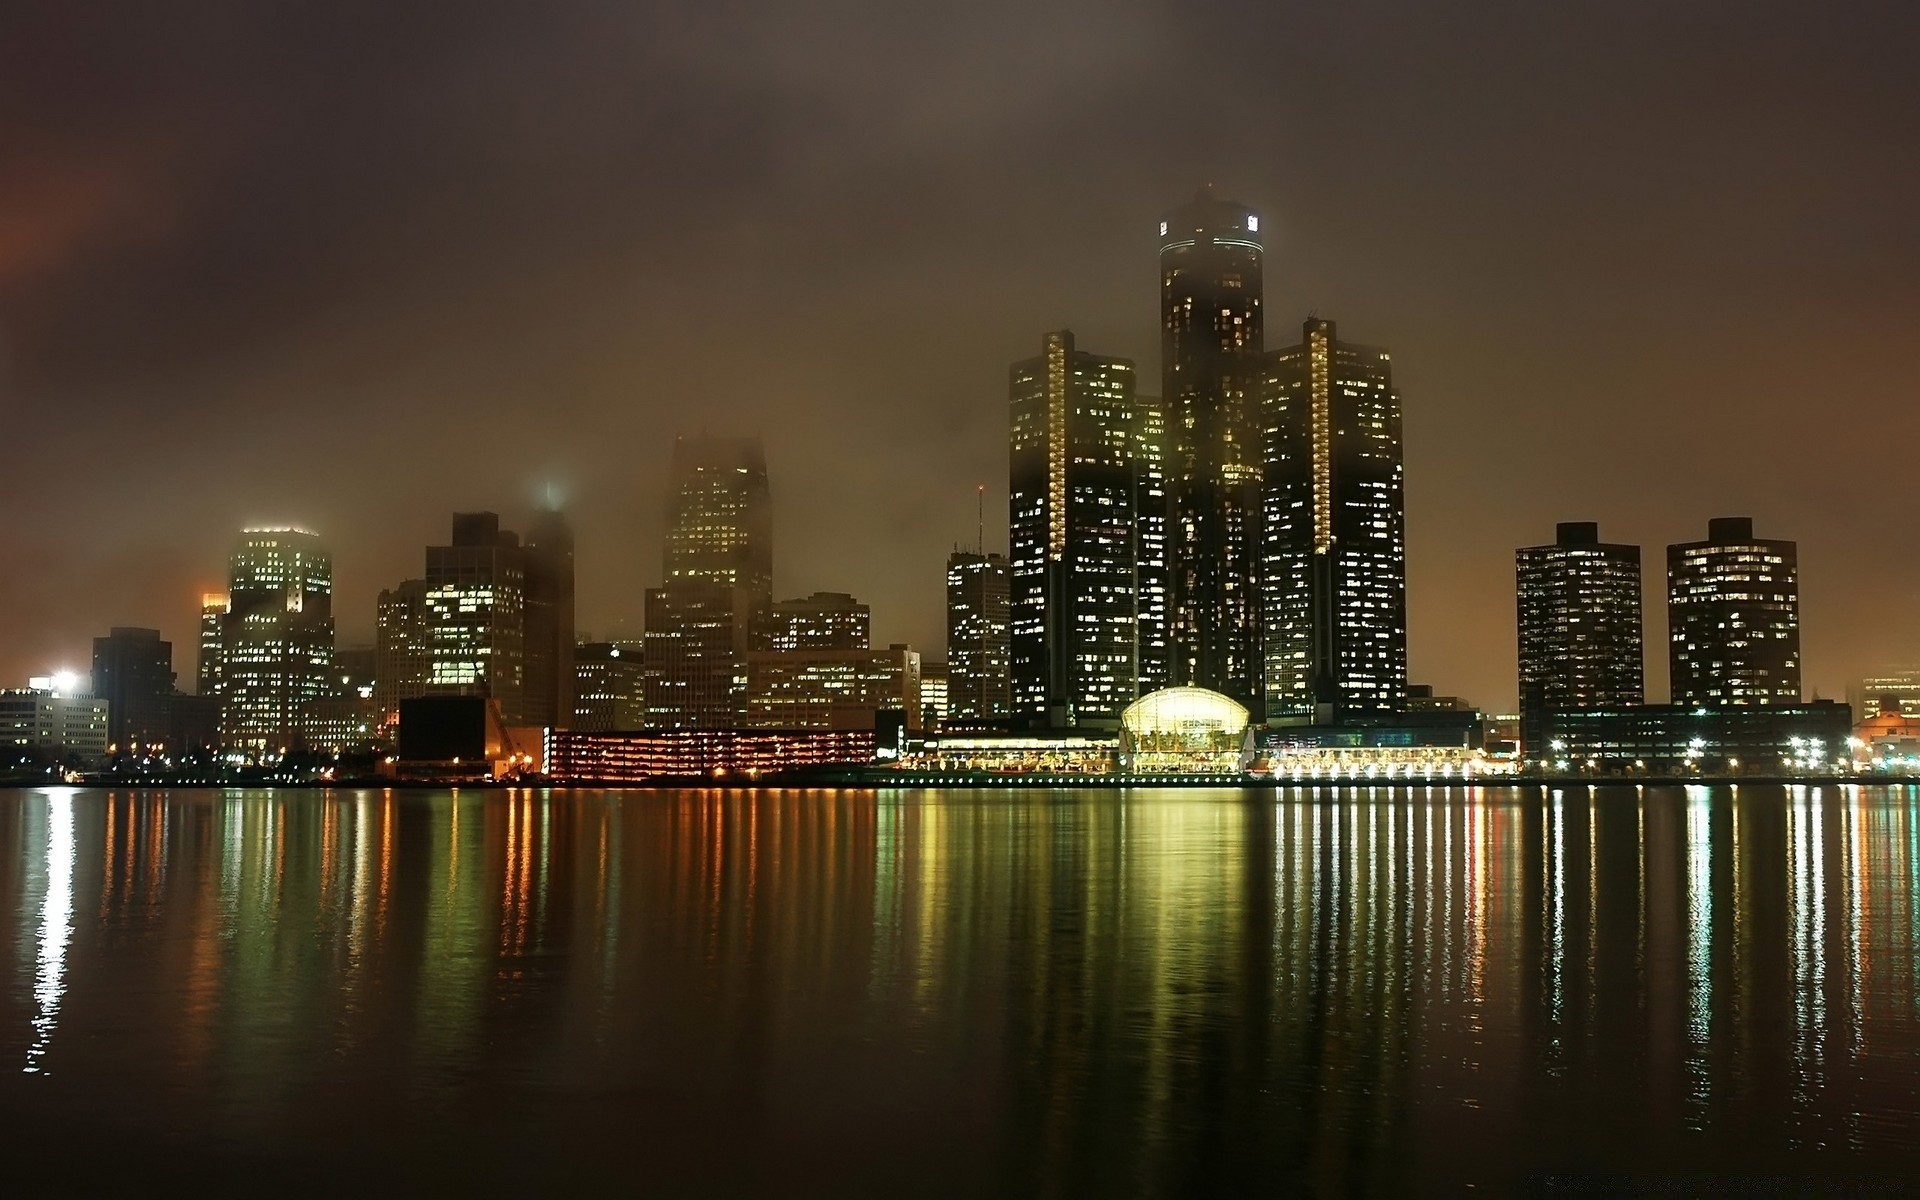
point(1756, 739)
point(832, 689)
point(55, 720)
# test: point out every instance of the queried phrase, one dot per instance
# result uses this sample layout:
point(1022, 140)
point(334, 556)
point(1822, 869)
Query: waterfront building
point(133, 674)
point(1579, 624)
point(933, 693)
point(1733, 618)
point(1211, 343)
point(695, 656)
point(609, 690)
point(1185, 730)
point(1334, 551)
point(57, 719)
point(1901, 684)
point(640, 756)
point(832, 689)
point(1754, 739)
point(822, 621)
point(1075, 480)
point(1887, 738)
point(720, 516)
point(343, 725)
point(476, 615)
point(547, 693)
point(979, 651)
point(274, 644)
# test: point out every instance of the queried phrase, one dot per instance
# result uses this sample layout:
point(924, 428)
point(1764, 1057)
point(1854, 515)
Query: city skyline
point(1618, 318)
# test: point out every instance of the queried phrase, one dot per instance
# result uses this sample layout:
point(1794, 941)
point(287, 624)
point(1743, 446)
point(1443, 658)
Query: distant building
point(1733, 619)
point(695, 657)
point(402, 647)
point(54, 720)
point(133, 673)
point(1420, 699)
point(1756, 739)
point(933, 693)
point(213, 616)
point(832, 689)
point(638, 756)
point(1334, 569)
point(274, 646)
point(549, 640)
point(343, 725)
point(822, 621)
point(354, 669)
point(978, 637)
point(1900, 684)
point(1075, 483)
point(476, 614)
point(609, 690)
point(1210, 371)
point(720, 516)
point(1579, 623)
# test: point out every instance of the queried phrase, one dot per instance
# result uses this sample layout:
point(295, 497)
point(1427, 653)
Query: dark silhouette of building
point(1210, 347)
point(1581, 644)
point(133, 673)
point(1334, 587)
point(979, 653)
point(1077, 469)
point(548, 692)
point(1733, 618)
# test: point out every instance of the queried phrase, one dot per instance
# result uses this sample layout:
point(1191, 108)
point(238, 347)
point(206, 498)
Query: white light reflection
point(56, 927)
point(1699, 943)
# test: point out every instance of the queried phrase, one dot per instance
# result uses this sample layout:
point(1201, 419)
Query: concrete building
point(979, 643)
point(1733, 619)
point(133, 673)
point(832, 689)
point(1581, 645)
point(609, 691)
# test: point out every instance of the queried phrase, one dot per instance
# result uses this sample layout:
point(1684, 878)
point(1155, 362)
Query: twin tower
point(1243, 530)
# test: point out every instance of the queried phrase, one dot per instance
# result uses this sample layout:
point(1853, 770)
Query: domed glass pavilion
point(1185, 730)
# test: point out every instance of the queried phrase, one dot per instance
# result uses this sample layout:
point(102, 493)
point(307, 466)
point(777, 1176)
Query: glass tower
point(720, 516)
point(476, 609)
point(1579, 623)
point(1733, 618)
point(978, 598)
point(1334, 561)
point(1210, 367)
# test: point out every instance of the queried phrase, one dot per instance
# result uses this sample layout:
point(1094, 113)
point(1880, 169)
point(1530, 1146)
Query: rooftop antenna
point(980, 536)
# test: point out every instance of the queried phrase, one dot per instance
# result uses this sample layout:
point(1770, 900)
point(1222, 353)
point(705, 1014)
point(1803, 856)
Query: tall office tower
point(1733, 618)
point(476, 613)
point(1579, 622)
point(609, 688)
point(979, 642)
point(822, 621)
point(1073, 482)
point(276, 638)
point(549, 621)
point(402, 647)
point(1151, 580)
point(213, 616)
point(695, 656)
point(1334, 569)
point(720, 516)
point(133, 673)
point(1210, 369)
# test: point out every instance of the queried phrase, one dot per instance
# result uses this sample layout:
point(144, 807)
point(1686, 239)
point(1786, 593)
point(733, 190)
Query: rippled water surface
point(915, 993)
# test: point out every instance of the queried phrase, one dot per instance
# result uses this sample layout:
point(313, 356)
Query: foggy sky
point(357, 265)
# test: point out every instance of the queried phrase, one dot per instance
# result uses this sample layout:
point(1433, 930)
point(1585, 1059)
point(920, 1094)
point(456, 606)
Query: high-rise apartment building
point(822, 621)
point(548, 690)
point(720, 516)
point(133, 673)
point(979, 651)
point(275, 638)
point(476, 612)
point(1334, 569)
point(1075, 482)
point(1733, 618)
point(402, 647)
point(1581, 645)
point(1210, 372)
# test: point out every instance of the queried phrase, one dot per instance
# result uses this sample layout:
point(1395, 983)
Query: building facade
point(133, 673)
point(822, 621)
point(476, 615)
point(609, 691)
point(547, 698)
point(1211, 343)
point(1733, 618)
point(402, 647)
point(275, 639)
point(832, 689)
point(55, 721)
point(979, 637)
point(720, 516)
point(1075, 483)
point(1581, 644)
point(1334, 550)
point(695, 656)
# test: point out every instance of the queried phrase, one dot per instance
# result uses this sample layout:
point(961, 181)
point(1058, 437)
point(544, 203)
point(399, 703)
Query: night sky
point(356, 265)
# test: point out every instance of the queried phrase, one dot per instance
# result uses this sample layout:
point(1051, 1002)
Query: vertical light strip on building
point(1056, 447)
point(1322, 400)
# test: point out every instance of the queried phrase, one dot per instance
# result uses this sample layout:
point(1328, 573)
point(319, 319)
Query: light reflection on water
point(1037, 992)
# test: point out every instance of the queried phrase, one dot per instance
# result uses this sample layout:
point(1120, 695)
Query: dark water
point(1041, 993)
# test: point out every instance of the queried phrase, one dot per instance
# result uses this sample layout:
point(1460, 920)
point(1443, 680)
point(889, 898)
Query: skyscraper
point(476, 613)
point(1334, 587)
point(275, 638)
point(1210, 348)
point(609, 688)
point(822, 621)
point(1074, 483)
point(694, 660)
point(720, 516)
point(548, 699)
point(133, 673)
point(402, 647)
point(1733, 618)
point(1151, 577)
point(1579, 623)
point(213, 615)
point(978, 637)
